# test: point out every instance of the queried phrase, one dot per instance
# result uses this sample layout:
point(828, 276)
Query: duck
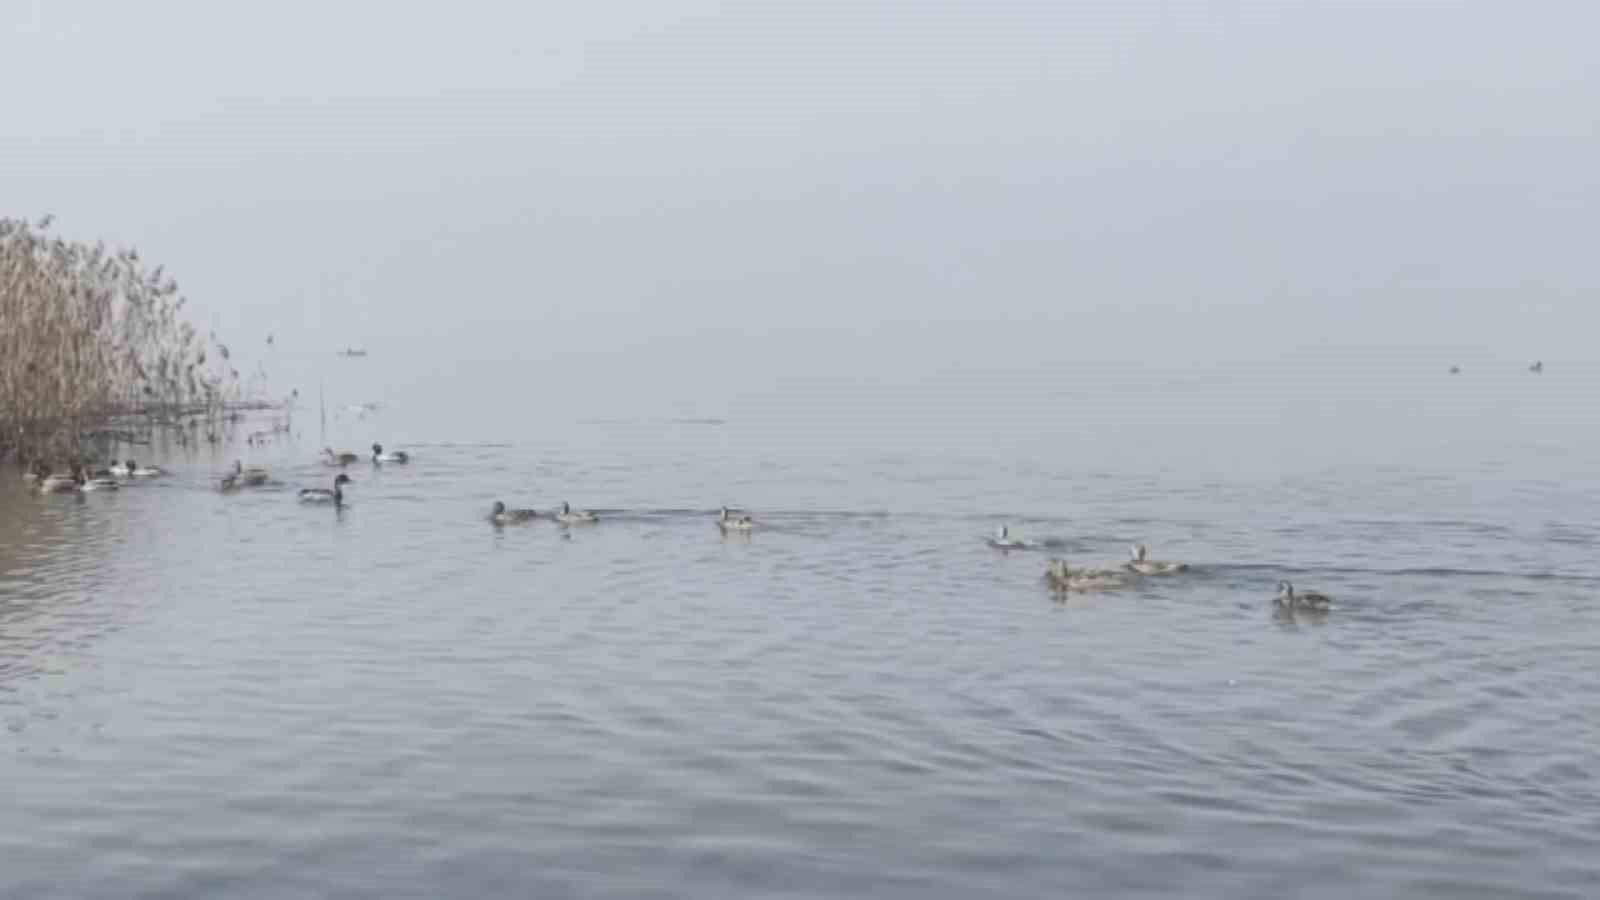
point(58, 484)
point(1537, 368)
point(1312, 601)
point(1455, 370)
point(500, 515)
point(727, 521)
point(241, 477)
point(570, 516)
point(1002, 540)
point(397, 456)
point(342, 458)
point(1065, 578)
point(97, 483)
point(255, 476)
point(323, 495)
point(131, 469)
point(1139, 564)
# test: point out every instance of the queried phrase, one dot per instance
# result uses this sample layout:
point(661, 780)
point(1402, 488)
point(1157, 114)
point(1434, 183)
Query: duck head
point(498, 508)
point(377, 449)
point(565, 507)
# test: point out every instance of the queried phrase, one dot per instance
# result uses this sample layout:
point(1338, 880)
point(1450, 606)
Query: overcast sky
point(942, 179)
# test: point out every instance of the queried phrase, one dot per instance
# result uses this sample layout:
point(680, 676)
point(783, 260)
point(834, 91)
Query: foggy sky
point(942, 181)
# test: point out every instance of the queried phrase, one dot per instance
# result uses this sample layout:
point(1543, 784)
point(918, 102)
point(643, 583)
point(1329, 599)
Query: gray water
point(207, 695)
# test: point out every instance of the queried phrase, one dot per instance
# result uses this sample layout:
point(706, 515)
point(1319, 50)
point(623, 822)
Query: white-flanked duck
point(500, 515)
point(569, 516)
point(323, 495)
point(342, 458)
point(240, 477)
point(1312, 601)
point(1140, 563)
point(58, 484)
point(1062, 577)
point(1002, 540)
point(396, 456)
point(97, 483)
point(728, 521)
point(131, 469)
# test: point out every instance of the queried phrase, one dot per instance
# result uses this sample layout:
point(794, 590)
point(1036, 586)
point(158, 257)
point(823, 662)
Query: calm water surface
point(208, 696)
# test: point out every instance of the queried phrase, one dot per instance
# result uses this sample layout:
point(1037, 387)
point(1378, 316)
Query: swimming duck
point(97, 483)
point(1310, 600)
point(131, 469)
point(1142, 566)
point(241, 477)
point(1455, 370)
point(1537, 368)
point(343, 458)
point(1064, 578)
point(500, 515)
point(398, 456)
point(727, 521)
point(570, 516)
point(58, 484)
point(255, 476)
point(323, 495)
point(1002, 540)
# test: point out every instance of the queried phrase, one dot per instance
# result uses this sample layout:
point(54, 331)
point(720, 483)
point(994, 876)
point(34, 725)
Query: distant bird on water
point(396, 456)
point(1002, 540)
point(570, 516)
point(323, 495)
point(1537, 368)
point(1140, 562)
point(1313, 601)
point(1063, 578)
point(342, 458)
point(500, 515)
point(1455, 370)
point(97, 483)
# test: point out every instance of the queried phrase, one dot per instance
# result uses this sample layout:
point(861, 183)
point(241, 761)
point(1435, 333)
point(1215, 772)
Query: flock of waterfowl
point(1061, 577)
point(1064, 579)
point(82, 479)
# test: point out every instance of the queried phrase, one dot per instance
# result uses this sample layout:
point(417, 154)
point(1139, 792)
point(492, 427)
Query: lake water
point(238, 696)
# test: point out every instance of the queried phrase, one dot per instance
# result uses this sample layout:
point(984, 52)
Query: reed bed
point(93, 342)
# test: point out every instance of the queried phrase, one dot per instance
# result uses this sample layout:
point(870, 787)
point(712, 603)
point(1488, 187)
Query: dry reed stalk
point(88, 335)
